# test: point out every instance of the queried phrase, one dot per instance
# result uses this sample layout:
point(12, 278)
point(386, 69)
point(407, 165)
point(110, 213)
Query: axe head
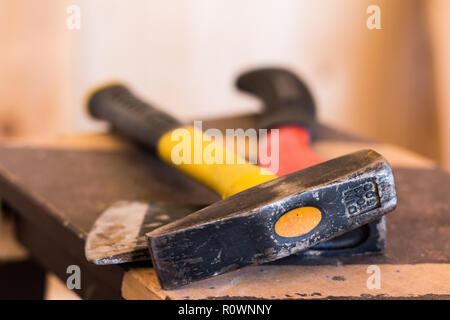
point(274, 219)
point(118, 235)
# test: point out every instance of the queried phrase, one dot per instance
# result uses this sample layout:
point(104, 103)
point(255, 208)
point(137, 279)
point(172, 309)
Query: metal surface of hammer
point(288, 106)
point(262, 218)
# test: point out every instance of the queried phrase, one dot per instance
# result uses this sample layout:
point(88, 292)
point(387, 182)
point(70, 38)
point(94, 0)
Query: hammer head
point(274, 219)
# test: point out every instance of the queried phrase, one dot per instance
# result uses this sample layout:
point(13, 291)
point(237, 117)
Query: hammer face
point(275, 219)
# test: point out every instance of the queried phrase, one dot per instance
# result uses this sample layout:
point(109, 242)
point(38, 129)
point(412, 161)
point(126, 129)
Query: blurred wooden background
point(389, 84)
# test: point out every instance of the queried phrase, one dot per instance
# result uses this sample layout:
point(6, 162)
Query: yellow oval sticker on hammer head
point(298, 222)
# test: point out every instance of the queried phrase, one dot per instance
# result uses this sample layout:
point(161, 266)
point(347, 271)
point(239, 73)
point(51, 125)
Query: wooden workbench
point(57, 188)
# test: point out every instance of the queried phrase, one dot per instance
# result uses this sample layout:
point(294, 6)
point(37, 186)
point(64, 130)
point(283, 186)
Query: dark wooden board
point(59, 192)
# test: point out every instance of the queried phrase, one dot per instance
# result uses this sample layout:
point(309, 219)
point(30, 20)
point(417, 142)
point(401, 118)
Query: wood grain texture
point(300, 282)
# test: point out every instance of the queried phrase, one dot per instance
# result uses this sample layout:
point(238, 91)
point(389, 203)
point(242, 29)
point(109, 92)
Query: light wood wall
point(35, 78)
point(439, 22)
point(385, 84)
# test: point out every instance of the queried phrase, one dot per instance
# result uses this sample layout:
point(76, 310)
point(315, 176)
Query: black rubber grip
point(287, 100)
point(130, 115)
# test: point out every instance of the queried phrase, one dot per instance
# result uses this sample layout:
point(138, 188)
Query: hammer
point(262, 217)
point(289, 107)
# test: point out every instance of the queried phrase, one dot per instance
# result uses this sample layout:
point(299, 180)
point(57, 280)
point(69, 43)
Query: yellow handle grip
point(195, 154)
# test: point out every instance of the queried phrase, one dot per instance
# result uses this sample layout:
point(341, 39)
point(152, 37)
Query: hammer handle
point(289, 107)
point(287, 100)
point(130, 115)
point(185, 148)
